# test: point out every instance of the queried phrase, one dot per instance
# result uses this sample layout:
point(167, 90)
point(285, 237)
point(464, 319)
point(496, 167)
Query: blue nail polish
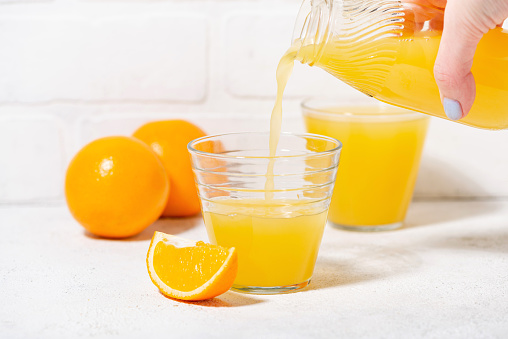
point(452, 109)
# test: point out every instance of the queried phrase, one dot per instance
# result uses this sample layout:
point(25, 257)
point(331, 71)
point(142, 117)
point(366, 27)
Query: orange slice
point(190, 270)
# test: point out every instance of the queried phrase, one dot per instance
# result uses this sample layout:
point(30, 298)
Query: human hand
point(465, 22)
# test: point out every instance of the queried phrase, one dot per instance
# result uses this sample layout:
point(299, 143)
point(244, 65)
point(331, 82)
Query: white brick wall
point(72, 71)
point(121, 57)
point(32, 165)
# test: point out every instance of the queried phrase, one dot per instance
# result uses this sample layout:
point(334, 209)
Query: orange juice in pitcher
point(386, 49)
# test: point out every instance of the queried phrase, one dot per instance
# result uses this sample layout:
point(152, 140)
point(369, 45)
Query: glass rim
point(337, 148)
point(399, 114)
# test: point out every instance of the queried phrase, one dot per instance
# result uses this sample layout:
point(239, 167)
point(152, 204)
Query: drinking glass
point(274, 220)
point(379, 164)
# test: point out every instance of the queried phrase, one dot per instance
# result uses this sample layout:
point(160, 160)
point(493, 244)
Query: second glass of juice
point(275, 219)
point(379, 164)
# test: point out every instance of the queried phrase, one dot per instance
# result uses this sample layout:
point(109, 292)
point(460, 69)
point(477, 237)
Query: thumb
point(452, 69)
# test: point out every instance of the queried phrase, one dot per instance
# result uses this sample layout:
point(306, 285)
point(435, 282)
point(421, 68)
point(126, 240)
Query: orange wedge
point(190, 270)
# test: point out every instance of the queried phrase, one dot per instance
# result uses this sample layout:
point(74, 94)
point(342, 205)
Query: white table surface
point(444, 275)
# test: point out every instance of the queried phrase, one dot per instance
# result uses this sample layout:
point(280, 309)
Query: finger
point(438, 3)
point(436, 24)
point(419, 12)
point(452, 69)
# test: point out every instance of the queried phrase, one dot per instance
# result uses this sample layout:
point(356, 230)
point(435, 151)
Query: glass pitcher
point(386, 49)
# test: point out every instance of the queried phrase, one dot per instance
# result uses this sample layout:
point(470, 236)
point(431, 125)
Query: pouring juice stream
point(284, 70)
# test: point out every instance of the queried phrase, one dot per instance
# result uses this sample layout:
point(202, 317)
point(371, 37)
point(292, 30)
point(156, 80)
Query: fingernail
point(452, 109)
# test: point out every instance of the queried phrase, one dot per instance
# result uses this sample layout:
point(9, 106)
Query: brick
point(92, 128)
point(463, 162)
point(103, 57)
point(33, 158)
point(458, 162)
point(254, 43)
point(22, 1)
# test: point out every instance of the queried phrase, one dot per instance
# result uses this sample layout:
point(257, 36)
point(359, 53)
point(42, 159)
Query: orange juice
point(277, 240)
point(399, 71)
point(379, 162)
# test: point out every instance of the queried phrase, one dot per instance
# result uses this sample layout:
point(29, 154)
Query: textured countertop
point(444, 275)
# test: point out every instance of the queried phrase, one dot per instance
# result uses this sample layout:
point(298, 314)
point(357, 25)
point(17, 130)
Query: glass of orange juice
point(379, 164)
point(274, 219)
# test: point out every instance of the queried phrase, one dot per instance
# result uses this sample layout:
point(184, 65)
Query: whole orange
point(169, 139)
point(116, 186)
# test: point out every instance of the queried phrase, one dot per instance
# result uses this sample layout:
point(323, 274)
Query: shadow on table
point(172, 226)
point(495, 241)
point(228, 299)
point(426, 213)
point(439, 179)
point(361, 263)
